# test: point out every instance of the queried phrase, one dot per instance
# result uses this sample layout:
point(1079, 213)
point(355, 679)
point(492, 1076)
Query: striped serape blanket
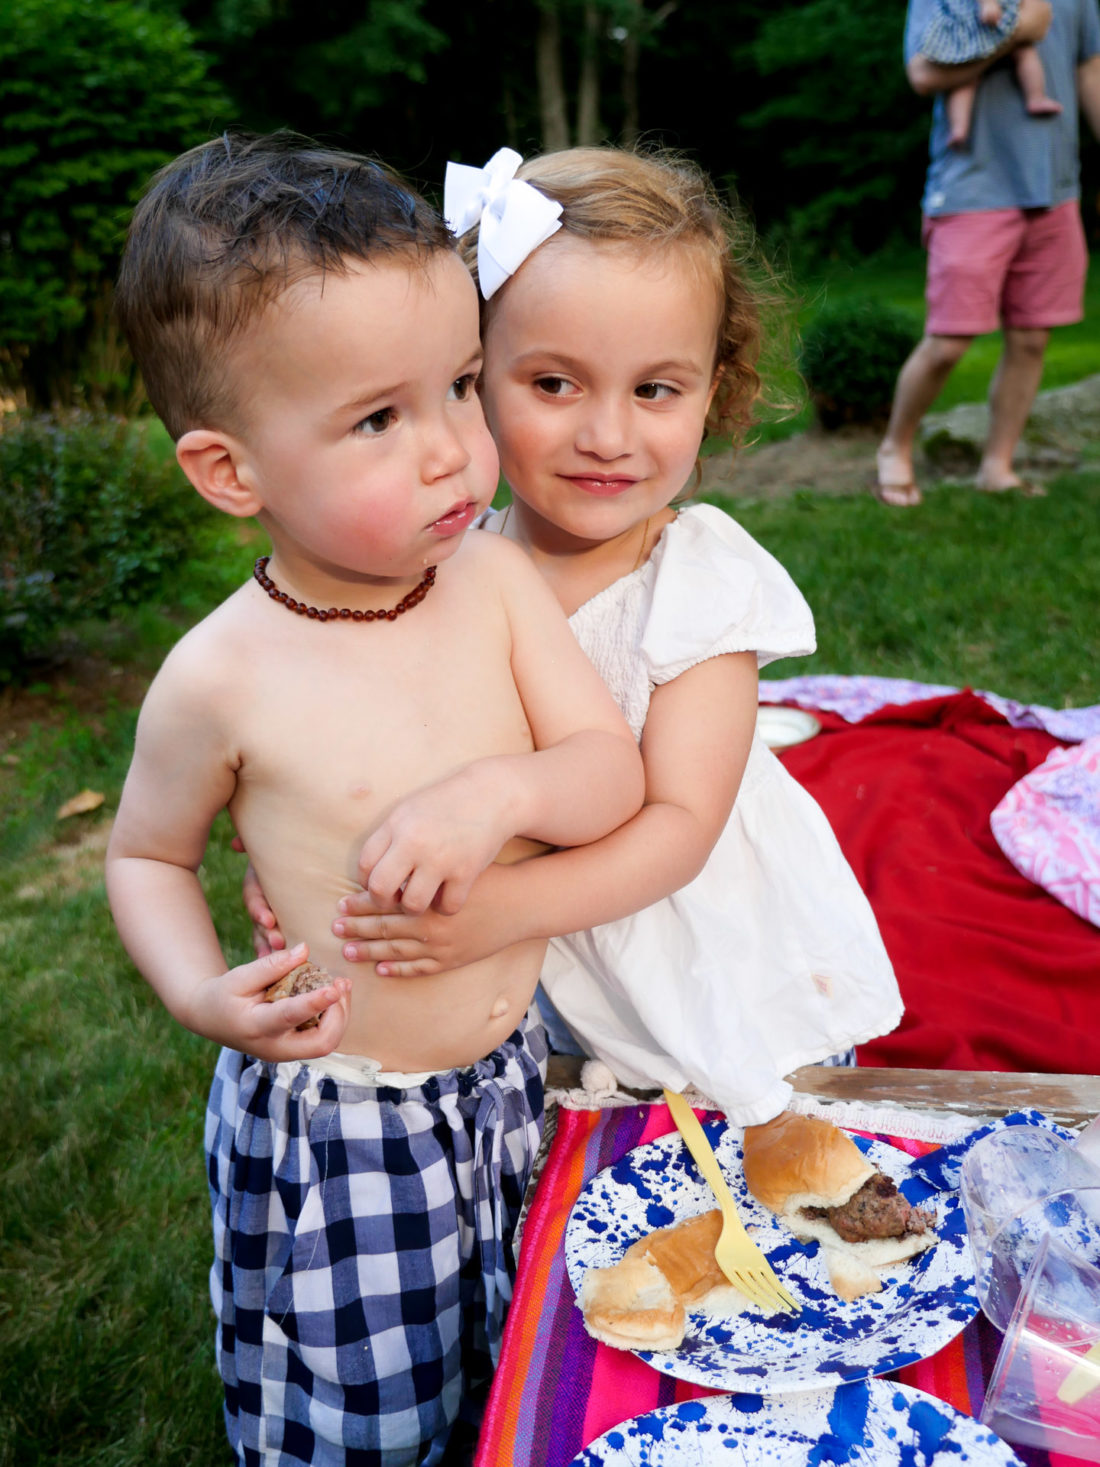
point(556, 1389)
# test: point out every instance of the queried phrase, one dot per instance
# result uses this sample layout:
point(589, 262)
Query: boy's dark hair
point(226, 228)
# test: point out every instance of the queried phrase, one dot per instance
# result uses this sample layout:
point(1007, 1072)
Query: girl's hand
point(407, 945)
point(266, 937)
point(431, 849)
point(231, 1010)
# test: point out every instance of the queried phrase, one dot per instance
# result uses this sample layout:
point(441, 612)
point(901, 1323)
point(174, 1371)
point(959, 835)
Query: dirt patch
point(1064, 423)
point(825, 463)
point(73, 863)
point(80, 685)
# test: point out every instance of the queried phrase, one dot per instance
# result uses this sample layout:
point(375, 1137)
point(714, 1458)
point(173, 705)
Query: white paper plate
point(873, 1423)
point(782, 728)
point(923, 1304)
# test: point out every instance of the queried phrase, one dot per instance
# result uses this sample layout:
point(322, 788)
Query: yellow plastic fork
point(736, 1254)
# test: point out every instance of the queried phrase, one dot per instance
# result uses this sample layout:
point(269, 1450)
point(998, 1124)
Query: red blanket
point(995, 973)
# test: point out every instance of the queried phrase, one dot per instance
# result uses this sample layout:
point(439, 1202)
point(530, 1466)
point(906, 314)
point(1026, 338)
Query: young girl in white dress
point(720, 938)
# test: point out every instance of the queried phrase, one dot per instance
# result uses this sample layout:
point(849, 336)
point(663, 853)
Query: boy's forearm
point(165, 925)
point(572, 792)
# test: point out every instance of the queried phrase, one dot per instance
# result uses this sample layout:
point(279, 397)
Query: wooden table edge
point(1071, 1100)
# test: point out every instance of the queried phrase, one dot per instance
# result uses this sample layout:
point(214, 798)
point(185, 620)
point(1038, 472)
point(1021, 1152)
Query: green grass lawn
point(984, 590)
point(105, 1326)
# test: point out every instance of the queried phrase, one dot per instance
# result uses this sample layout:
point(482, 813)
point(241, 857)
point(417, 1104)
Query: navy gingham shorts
point(363, 1261)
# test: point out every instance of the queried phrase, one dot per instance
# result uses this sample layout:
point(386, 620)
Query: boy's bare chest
point(347, 719)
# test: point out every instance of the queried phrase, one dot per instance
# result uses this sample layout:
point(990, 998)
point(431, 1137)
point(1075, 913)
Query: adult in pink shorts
point(1002, 227)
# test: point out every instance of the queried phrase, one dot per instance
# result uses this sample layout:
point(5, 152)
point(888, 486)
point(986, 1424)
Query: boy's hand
point(231, 1009)
point(407, 945)
point(434, 845)
point(989, 12)
point(266, 937)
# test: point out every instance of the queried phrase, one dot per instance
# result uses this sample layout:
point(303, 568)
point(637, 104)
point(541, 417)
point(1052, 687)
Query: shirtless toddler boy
point(310, 338)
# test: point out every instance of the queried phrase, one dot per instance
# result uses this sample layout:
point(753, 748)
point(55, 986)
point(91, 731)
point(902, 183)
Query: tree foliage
point(95, 95)
point(840, 118)
point(799, 106)
point(334, 66)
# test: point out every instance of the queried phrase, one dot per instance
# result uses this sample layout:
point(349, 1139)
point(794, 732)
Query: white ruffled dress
point(771, 958)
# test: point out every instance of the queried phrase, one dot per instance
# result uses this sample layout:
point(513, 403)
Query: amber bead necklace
point(342, 613)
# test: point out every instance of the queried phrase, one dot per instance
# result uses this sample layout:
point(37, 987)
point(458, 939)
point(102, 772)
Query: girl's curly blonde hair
point(660, 199)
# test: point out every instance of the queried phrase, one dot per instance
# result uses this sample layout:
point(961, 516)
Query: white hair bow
point(515, 218)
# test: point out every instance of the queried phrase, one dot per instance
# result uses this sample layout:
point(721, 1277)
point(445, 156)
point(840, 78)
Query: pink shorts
point(1012, 267)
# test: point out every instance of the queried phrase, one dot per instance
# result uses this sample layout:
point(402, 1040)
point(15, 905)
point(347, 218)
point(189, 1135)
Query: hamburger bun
point(795, 1163)
point(642, 1302)
point(799, 1161)
point(631, 1306)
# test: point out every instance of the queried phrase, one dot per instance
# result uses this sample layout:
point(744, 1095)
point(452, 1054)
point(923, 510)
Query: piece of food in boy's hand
point(302, 979)
point(642, 1302)
point(821, 1186)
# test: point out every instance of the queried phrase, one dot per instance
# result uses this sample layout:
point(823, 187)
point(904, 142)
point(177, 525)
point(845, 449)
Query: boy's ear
point(215, 463)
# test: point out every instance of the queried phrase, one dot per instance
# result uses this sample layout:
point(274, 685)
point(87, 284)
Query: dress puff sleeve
point(715, 590)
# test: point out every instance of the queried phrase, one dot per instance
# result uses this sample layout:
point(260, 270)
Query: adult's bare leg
point(920, 382)
point(1011, 395)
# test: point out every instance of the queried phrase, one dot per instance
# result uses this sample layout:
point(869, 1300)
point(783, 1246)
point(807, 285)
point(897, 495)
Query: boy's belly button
point(499, 1009)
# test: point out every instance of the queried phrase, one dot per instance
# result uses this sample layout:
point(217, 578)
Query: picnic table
point(557, 1390)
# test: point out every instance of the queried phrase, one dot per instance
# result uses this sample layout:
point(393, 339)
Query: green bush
point(96, 517)
point(850, 356)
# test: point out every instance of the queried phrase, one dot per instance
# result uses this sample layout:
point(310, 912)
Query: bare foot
point(1044, 107)
point(893, 482)
point(1028, 487)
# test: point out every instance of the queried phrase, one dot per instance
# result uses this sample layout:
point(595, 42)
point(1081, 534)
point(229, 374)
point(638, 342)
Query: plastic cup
point(1088, 1142)
point(1003, 1174)
point(1071, 1219)
point(1045, 1390)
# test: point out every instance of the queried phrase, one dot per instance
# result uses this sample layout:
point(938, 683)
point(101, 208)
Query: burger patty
point(877, 1210)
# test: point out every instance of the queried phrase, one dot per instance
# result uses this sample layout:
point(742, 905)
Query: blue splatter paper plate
point(923, 1304)
point(871, 1423)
